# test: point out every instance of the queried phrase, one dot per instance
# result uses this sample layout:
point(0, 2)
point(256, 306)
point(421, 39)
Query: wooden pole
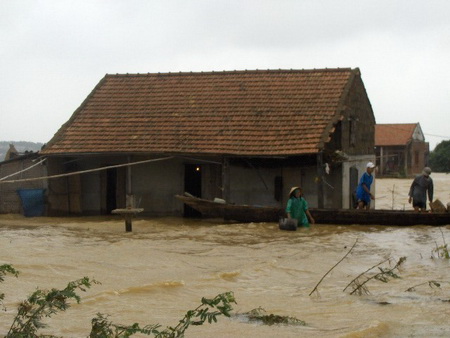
point(128, 224)
point(382, 164)
point(226, 179)
point(129, 200)
point(320, 197)
point(129, 178)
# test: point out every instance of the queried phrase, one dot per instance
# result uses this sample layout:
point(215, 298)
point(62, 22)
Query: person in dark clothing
point(421, 185)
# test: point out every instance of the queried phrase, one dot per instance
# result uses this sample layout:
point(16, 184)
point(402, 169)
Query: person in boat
point(421, 185)
point(363, 194)
point(297, 208)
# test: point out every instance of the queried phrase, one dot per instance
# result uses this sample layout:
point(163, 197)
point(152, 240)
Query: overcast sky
point(54, 52)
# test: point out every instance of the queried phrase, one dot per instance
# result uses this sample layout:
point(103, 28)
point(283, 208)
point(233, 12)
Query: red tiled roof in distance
point(398, 134)
point(249, 113)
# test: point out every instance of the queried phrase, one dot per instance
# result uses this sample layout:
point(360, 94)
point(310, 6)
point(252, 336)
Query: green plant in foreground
point(43, 303)
point(208, 310)
point(259, 315)
point(101, 327)
point(442, 251)
point(199, 315)
point(431, 283)
point(4, 269)
point(384, 276)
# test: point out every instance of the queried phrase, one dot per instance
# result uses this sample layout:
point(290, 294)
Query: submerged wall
point(9, 198)
point(154, 184)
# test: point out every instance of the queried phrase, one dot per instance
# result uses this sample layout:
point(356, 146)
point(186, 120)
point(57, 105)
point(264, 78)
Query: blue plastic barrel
point(32, 201)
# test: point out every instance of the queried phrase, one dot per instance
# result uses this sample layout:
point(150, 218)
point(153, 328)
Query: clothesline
point(84, 171)
point(21, 171)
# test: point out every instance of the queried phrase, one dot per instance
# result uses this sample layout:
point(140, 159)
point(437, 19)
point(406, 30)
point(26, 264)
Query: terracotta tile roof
point(394, 134)
point(271, 112)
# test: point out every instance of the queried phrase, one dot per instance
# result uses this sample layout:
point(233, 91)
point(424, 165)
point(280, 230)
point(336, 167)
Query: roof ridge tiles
point(233, 72)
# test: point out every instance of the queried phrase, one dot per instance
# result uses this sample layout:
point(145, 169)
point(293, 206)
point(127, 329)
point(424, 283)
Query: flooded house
point(401, 149)
point(243, 136)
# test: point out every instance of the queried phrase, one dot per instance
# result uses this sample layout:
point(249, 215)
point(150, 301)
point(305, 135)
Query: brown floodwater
point(166, 265)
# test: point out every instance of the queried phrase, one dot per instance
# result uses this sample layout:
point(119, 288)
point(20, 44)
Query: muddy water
point(165, 266)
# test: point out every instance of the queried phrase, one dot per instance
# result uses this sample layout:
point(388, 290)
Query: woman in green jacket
point(297, 208)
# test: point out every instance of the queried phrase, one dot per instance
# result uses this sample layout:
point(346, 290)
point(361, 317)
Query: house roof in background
point(249, 113)
point(397, 134)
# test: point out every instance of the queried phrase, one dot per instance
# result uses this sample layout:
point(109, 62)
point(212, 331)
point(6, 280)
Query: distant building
point(401, 149)
point(11, 153)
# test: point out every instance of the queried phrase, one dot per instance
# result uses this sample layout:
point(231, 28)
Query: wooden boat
point(240, 213)
point(252, 213)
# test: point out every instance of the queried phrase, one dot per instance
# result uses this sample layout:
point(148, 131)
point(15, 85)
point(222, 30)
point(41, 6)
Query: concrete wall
point(9, 198)
point(359, 163)
point(154, 186)
point(358, 124)
point(418, 157)
point(253, 186)
point(58, 202)
point(332, 187)
point(257, 186)
point(91, 193)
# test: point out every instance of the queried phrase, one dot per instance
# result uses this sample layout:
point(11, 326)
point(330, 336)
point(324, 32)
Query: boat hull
point(247, 213)
point(240, 213)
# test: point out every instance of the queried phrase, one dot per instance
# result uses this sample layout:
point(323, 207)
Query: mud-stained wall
point(14, 168)
point(153, 185)
point(253, 186)
point(58, 194)
point(358, 123)
point(258, 186)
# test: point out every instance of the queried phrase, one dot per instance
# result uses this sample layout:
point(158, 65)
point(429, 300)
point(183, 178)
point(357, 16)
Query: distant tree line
point(440, 157)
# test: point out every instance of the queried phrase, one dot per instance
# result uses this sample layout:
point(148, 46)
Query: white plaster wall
point(360, 163)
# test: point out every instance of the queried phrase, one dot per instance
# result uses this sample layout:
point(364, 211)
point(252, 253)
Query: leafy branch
point(4, 269)
point(208, 310)
point(202, 313)
point(101, 328)
point(442, 251)
point(259, 315)
point(315, 288)
point(384, 276)
point(431, 284)
point(354, 281)
point(42, 304)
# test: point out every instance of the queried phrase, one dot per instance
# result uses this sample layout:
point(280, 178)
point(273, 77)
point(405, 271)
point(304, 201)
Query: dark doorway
point(353, 186)
point(111, 189)
point(192, 185)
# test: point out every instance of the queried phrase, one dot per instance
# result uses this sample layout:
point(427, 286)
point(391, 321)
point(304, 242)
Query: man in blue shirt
point(363, 194)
